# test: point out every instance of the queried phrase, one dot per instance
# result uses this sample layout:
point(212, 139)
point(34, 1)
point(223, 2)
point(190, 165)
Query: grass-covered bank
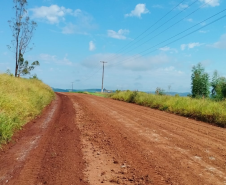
point(20, 101)
point(200, 109)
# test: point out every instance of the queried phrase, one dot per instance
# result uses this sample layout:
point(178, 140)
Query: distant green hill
point(99, 90)
point(75, 90)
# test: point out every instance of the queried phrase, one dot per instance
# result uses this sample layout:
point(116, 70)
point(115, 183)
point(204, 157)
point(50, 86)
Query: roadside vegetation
point(21, 100)
point(200, 109)
point(207, 101)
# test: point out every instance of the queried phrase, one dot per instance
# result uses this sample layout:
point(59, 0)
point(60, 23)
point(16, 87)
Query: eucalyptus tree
point(200, 84)
point(22, 32)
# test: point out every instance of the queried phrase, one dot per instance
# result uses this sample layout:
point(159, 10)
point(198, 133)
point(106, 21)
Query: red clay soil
point(46, 151)
point(84, 139)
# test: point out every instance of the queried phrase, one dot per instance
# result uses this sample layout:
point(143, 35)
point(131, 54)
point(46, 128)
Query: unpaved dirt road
point(83, 139)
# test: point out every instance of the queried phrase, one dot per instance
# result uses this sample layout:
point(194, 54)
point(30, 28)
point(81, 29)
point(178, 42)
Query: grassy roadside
point(20, 101)
point(200, 109)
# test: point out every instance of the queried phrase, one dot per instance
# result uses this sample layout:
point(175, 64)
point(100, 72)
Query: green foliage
point(24, 68)
point(218, 87)
point(199, 82)
point(201, 109)
point(159, 91)
point(20, 101)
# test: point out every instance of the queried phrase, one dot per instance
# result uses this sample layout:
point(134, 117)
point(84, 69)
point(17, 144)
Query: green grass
point(200, 109)
point(21, 100)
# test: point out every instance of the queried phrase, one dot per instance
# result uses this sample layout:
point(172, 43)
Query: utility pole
point(72, 86)
point(102, 90)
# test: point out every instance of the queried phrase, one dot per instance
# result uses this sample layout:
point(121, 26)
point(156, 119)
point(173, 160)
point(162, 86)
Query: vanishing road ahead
point(83, 139)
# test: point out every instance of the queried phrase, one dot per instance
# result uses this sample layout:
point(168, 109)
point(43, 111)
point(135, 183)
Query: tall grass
point(201, 109)
point(20, 101)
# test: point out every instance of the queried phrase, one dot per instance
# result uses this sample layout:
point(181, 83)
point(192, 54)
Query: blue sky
point(133, 36)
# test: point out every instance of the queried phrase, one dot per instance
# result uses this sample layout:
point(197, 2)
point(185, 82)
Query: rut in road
point(46, 151)
point(146, 146)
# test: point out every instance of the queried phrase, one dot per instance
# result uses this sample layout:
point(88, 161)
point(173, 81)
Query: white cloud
point(203, 31)
point(53, 59)
point(53, 14)
point(139, 9)
point(69, 29)
point(190, 45)
point(130, 63)
point(182, 6)
point(172, 50)
point(118, 35)
point(92, 46)
point(82, 23)
point(212, 3)
point(171, 70)
point(221, 44)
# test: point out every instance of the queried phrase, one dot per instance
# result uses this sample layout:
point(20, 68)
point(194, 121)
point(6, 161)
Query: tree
point(23, 66)
point(199, 82)
point(22, 28)
point(214, 83)
point(218, 86)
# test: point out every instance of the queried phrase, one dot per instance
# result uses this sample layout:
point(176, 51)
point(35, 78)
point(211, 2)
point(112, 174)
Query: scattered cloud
point(53, 59)
point(55, 14)
point(190, 45)
point(170, 69)
point(92, 46)
point(138, 11)
point(212, 3)
point(130, 63)
point(69, 29)
point(172, 50)
point(182, 6)
point(221, 44)
point(52, 14)
point(82, 23)
point(119, 34)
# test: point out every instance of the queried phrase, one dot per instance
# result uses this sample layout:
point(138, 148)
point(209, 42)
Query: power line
point(204, 4)
point(180, 37)
point(164, 30)
point(151, 26)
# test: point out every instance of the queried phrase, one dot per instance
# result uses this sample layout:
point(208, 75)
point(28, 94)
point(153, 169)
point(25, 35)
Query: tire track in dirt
point(51, 150)
point(169, 149)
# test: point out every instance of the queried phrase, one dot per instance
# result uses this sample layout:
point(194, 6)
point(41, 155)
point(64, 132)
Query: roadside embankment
point(200, 109)
point(20, 101)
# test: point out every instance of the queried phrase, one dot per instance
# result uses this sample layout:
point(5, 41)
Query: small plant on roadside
point(159, 91)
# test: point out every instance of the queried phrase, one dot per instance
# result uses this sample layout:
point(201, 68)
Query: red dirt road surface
point(83, 139)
